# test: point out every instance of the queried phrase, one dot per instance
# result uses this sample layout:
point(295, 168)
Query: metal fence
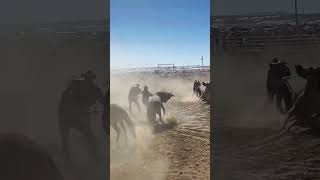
point(263, 42)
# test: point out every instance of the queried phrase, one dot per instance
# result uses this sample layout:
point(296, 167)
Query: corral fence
point(185, 72)
point(260, 43)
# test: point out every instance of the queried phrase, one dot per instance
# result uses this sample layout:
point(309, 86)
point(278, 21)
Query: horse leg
point(286, 122)
point(295, 123)
point(117, 129)
point(124, 131)
point(160, 118)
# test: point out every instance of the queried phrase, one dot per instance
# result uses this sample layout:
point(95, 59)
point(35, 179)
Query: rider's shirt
point(275, 75)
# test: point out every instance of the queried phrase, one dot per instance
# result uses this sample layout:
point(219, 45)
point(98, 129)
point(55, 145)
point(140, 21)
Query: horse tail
point(130, 124)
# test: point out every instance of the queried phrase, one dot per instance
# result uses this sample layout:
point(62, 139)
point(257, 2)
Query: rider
point(276, 86)
point(134, 92)
point(196, 88)
point(89, 79)
point(145, 95)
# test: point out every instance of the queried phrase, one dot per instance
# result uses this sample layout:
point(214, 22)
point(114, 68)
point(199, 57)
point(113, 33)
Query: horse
point(73, 111)
point(114, 115)
point(21, 158)
point(304, 113)
point(119, 116)
point(306, 109)
point(156, 104)
point(205, 96)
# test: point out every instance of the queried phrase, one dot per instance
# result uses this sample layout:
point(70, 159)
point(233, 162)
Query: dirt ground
point(247, 139)
point(262, 154)
point(182, 152)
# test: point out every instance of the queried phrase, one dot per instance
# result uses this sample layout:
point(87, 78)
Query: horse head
point(164, 96)
point(207, 85)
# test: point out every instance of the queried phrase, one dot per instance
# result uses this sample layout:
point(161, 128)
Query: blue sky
point(145, 33)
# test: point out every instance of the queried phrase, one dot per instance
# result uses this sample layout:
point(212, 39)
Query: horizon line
point(150, 67)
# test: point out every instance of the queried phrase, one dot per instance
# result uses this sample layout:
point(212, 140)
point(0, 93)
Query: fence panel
point(263, 42)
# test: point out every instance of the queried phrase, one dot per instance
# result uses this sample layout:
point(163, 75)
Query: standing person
point(196, 88)
point(145, 95)
point(276, 86)
point(134, 93)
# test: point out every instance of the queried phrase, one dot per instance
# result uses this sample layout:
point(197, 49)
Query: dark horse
point(306, 109)
point(21, 158)
point(74, 113)
point(205, 96)
point(114, 115)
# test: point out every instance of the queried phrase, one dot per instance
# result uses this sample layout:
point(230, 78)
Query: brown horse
point(114, 115)
point(306, 109)
point(119, 116)
point(205, 96)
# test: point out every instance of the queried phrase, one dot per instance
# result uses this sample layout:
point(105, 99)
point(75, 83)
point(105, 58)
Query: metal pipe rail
point(261, 42)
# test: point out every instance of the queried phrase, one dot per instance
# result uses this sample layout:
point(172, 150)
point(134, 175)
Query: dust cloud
point(133, 157)
point(138, 160)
